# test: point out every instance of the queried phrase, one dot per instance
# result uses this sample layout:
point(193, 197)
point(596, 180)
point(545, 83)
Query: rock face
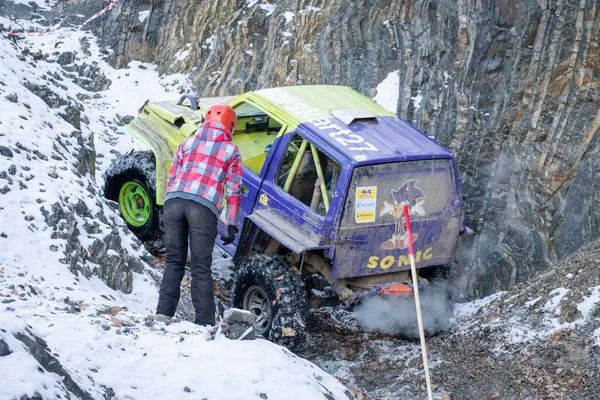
point(105, 257)
point(55, 174)
point(511, 87)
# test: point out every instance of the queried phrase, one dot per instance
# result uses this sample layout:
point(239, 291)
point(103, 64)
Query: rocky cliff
point(512, 87)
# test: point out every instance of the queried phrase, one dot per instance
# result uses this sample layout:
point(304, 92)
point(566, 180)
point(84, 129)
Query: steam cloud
point(398, 315)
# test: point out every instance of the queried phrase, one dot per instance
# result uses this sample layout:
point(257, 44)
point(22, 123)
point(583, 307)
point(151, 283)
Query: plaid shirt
point(206, 162)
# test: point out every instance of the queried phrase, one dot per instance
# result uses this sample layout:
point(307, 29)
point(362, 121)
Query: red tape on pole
point(411, 249)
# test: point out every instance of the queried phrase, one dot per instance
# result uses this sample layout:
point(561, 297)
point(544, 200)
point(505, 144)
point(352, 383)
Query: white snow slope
point(97, 348)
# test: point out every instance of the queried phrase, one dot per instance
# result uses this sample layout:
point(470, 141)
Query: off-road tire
point(285, 291)
point(138, 167)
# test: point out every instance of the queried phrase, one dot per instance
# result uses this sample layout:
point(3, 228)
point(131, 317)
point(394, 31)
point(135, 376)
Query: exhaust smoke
point(397, 315)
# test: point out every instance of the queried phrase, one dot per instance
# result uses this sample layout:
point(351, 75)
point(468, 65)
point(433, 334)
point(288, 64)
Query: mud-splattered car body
point(326, 171)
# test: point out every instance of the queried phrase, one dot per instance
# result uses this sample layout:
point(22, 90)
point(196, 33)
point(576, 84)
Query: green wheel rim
point(135, 204)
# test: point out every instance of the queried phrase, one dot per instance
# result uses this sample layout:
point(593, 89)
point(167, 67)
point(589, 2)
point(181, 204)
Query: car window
point(378, 192)
point(308, 174)
point(254, 134)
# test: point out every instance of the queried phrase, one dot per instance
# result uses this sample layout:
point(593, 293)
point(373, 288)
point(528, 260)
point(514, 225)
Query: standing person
point(204, 165)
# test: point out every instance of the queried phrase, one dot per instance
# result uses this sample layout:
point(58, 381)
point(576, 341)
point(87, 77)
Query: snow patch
point(589, 302)
point(289, 16)
point(222, 265)
point(143, 15)
point(416, 100)
point(268, 7)
point(519, 333)
point(23, 376)
point(531, 303)
point(553, 304)
point(210, 42)
point(447, 77)
point(181, 55)
point(388, 92)
point(467, 310)
point(310, 9)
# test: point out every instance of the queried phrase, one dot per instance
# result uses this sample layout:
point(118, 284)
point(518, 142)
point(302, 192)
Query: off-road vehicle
point(326, 173)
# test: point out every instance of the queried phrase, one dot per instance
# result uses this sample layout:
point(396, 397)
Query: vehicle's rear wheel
point(131, 181)
point(266, 286)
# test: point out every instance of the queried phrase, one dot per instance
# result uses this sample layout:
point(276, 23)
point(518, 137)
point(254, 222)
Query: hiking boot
point(160, 317)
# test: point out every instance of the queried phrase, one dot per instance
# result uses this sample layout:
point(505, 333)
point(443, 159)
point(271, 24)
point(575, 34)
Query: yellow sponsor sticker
point(264, 200)
point(365, 204)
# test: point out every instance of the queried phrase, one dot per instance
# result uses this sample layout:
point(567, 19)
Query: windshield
point(377, 192)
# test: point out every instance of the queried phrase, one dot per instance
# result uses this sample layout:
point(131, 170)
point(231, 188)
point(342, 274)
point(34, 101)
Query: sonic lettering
point(400, 261)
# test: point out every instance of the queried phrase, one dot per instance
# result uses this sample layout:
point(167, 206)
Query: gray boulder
point(236, 315)
point(235, 323)
point(4, 349)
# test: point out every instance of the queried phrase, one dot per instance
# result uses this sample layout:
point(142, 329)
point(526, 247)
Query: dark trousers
point(182, 219)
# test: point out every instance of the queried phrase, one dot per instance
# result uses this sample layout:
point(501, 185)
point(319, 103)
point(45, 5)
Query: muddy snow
point(537, 341)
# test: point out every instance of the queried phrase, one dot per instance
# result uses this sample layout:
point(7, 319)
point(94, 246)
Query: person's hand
point(232, 232)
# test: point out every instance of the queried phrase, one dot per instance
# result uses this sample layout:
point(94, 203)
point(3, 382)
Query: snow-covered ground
point(99, 344)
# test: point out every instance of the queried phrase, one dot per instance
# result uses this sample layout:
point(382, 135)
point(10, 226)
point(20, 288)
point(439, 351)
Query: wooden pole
point(413, 268)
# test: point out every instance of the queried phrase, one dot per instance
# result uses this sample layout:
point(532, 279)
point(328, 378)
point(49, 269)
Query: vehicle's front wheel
point(266, 286)
point(131, 181)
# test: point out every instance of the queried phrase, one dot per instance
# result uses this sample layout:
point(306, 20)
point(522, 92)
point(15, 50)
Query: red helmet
point(222, 113)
